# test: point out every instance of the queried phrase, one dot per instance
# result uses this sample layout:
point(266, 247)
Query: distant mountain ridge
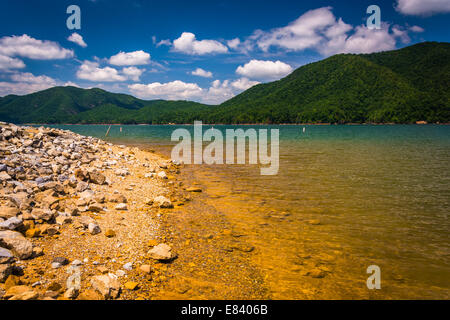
point(401, 86)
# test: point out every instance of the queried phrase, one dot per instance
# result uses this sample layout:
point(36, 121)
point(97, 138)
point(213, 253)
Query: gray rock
point(163, 202)
point(11, 224)
point(5, 270)
point(121, 207)
point(94, 228)
point(6, 256)
point(8, 212)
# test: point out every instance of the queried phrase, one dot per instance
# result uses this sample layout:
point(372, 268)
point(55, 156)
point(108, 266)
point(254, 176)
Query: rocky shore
point(79, 216)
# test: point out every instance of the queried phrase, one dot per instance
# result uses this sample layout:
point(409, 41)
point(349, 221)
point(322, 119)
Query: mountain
point(401, 86)
point(75, 105)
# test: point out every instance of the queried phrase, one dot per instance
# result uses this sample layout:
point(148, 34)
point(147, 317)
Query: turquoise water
point(381, 194)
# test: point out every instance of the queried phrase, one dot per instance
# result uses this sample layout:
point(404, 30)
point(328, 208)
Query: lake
point(345, 198)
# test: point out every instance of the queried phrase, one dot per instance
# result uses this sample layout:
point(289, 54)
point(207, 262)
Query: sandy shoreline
point(118, 219)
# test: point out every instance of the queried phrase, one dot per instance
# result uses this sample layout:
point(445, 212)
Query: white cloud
point(423, 7)
point(166, 42)
point(264, 70)
point(132, 73)
point(202, 73)
point(78, 39)
point(25, 83)
point(91, 71)
point(71, 84)
point(417, 29)
point(135, 58)
point(320, 30)
point(175, 90)
point(234, 43)
point(219, 92)
point(243, 84)
point(28, 47)
point(7, 63)
point(187, 43)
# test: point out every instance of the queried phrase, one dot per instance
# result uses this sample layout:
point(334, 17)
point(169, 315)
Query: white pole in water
point(304, 129)
point(107, 132)
point(120, 129)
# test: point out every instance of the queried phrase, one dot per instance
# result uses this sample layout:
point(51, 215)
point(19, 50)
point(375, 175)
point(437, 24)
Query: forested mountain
point(401, 86)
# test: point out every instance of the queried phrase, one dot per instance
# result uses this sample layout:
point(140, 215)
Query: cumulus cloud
point(264, 70)
point(8, 63)
point(202, 73)
point(243, 84)
point(91, 71)
point(175, 90)
point(78, 39)
point(320, 30)
point(423, 7)
point(28, 47)
point(25, 83)
point(132, 73)
point(135, 58)
point(234, 43)
point(187, 43)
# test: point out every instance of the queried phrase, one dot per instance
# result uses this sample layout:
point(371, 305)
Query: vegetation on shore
point(401, 86)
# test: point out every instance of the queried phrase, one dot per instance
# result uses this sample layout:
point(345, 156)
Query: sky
point(205, 51)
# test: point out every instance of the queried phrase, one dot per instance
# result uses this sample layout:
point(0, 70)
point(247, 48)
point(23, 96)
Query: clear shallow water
point(381, 194)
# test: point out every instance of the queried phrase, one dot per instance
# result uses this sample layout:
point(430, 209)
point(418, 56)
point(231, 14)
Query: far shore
point(233, 124)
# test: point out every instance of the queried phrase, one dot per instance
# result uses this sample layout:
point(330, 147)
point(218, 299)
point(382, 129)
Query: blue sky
point(205, 51)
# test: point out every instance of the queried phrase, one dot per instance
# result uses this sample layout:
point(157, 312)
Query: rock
point(82, 186)
point(120, 273)
point(103, 270)
point(71, 293)
point(107, 285)
point(128, 266)
point(162, 175)
point(121, 207)
point(8, 212)
point(94, 228)
point(121, 172)
point(37, 252)
point(110, 233)
point(17, 243)
point(33, 233)
point(5, 270)
point(317, 273)
point(20, 293)
point(51, 231)
point(130, 285)
point(117, 198)
point(90, 295)
point(314, 222)
point(42, 214)
point(4, 176)
point(61, 260)
point(193, 189)
point(12, 281)
point(162, 252)
point(163, 202)
point(77, 262)
point(63, 220)
point(6, 256)
point(56, 265)
point(11, 224)
point(97, 178)
point(54, 286)
point(95, 207)
point(146, 268)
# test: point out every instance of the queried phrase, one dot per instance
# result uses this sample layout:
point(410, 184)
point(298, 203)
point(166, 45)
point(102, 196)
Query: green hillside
point(402, 86)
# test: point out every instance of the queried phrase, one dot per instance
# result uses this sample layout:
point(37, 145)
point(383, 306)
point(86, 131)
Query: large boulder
point(107, 285)
point(97, 178)
point(16, 242)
